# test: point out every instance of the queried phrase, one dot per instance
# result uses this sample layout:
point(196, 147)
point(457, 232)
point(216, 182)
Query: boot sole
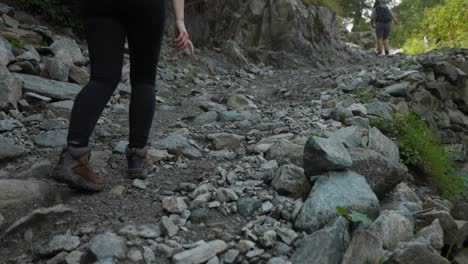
point(133, 174)
point(75, 181)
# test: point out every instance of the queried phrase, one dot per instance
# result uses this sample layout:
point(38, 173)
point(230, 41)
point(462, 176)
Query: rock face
point(382, 174)
point(277, 26)
point(346, 189)
point(325, 246)
point(322, 155)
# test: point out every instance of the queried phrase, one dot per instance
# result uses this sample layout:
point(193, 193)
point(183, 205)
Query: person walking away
point(108, 23)
point(382, 19)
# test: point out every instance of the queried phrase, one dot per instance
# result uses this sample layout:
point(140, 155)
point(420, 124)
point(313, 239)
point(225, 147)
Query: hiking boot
point(138, 163)
point(387, 52)
point(74, 170)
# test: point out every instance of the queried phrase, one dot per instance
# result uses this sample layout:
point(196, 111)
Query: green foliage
point(444, 25)
point(16, 44)
point(64, 13)
point(353, 216)
point(365, 96)
point(408, 62)
point(333, 5)
point(342, 116)
point(382, 124)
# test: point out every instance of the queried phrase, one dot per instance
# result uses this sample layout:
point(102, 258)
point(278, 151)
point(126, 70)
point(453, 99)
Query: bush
point(420, 147)
point(444, 25)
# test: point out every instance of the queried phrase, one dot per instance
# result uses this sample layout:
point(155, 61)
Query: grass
point(16, 44)
point(333, 5)
point(365, 96)
point(420, 147)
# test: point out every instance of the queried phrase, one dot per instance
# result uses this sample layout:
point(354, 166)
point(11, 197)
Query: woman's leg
point(145, 33)
point(106, 41)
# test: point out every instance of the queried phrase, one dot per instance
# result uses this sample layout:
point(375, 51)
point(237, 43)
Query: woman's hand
point(182, 40)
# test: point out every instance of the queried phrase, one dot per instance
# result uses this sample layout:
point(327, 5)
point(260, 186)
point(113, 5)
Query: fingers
point(183, 41)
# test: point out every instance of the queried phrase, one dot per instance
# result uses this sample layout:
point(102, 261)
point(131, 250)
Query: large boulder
point(6, 53)
point(346, 189)
point(417, 253)
point(49, 88)
point(289, 180)
point(365, 247)
point(382, 144)
point(322, 155)
point(285, 152)
point(326, 246)
point(15, 192)
point(382, 174)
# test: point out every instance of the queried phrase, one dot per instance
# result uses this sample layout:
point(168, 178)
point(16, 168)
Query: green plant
point(314, 134)
point(342, 116)
point(16, 44)
point(408, 62)
point(365, 96)
point(333, 5)
point(420, 147)
point(382, 124)
point(353, 216)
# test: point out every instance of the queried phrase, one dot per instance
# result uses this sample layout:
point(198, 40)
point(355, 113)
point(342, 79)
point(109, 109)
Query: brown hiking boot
point(138, 163)
point(74, 170)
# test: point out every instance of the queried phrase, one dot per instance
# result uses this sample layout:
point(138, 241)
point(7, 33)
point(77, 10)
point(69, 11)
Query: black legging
point(108, 23)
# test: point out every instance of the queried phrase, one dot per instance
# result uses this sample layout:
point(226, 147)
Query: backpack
point(382, 14)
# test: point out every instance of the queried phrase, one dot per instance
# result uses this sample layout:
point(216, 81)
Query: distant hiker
point(108, 23)
point(382, 19)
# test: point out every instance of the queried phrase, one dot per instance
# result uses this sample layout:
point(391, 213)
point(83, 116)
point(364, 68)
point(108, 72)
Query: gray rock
point(461, 257)
point(51, 138)
point(200, 215)
point(74, 257)
point(148, 255)
point(398, 90)
point(346, 189)
point(201, 253)
point(2, 221)
point(416, 253)
point(38, 170)
point(107, 246)
point(62, 109)
point(433, 235)
point(79, 75)
point(9, 125)
point(39, 215)
point(322, 155)
point(137, 183)
point(230, 116)
point(453, 74)
point(29, 56)
point(348, 136)
point(144, 231)
point(325, 246)
point(68, 51)
point(358, 109)
point(230, 256)
point(382, 174)
point(175, 205)
point(135, 255)
point(58, 70)
point(121, 147)
point(380, 110)
point(392, 228)
point(358, 121)
point(6, 9)
point(205, 118)
point(14, 192)
point(383, 145)
point(168, 228)
point(364, 248)
point(226, 195)
point(289, 180)
point(287, 235)
point(178, 145)
point(10, 90)
point(9, 150)
point(285, 152)
point(276, 260)
point(460, 210)
point(49, 88)
point(226, 140)
point(446, 221)
point(341, 114)
point(246, 207)
point(56, 245)
point(240, 103)
point(6, 52)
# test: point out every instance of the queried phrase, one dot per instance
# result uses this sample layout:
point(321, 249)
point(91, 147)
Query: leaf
point(342, 211)
point(360, 218)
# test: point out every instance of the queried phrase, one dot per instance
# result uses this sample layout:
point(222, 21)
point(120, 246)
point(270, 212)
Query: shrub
point(421, 147)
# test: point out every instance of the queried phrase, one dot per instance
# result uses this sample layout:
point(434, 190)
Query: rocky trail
point(250, 162)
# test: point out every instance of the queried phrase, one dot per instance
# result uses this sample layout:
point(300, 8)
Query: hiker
point(108, 23)
point(382, 19)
